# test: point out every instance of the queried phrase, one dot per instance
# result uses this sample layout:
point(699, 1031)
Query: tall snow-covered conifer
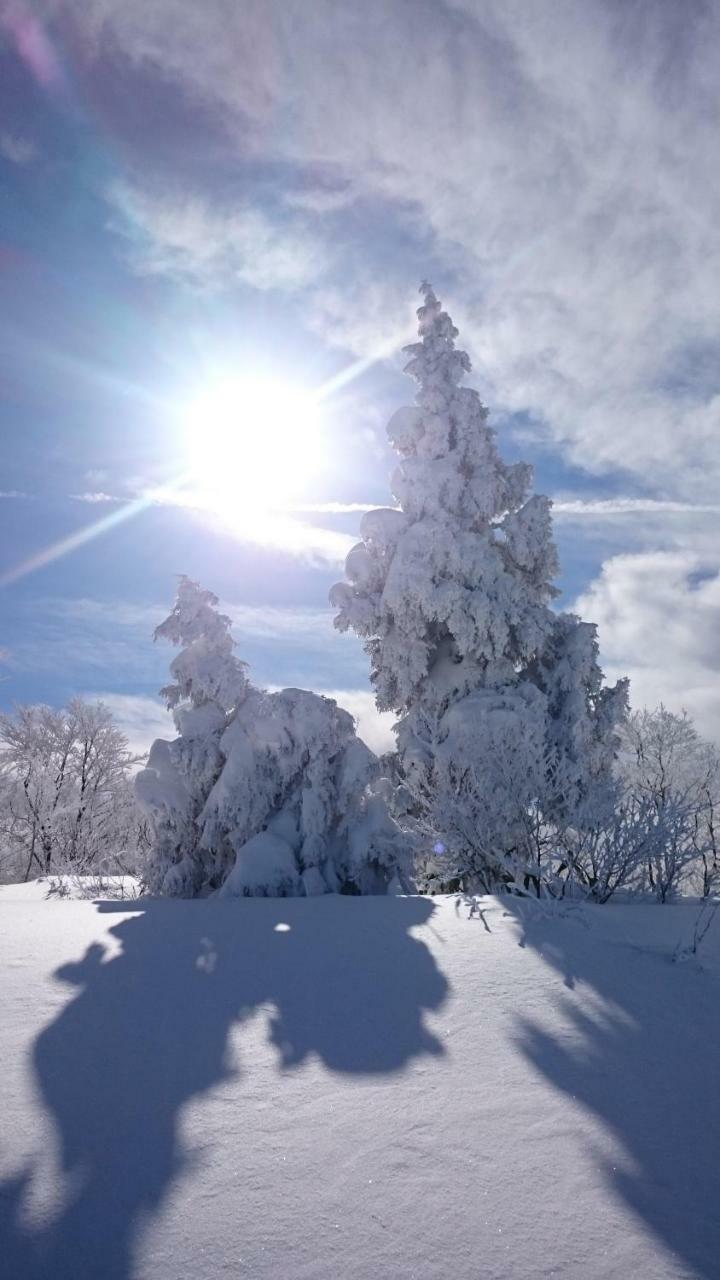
point(503, 720)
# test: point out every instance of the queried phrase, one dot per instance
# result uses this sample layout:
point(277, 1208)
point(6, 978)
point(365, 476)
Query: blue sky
point(190, 192)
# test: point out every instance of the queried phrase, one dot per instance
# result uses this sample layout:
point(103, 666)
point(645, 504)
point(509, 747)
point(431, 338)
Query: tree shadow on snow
point(148, 1031)
point(645, 1059)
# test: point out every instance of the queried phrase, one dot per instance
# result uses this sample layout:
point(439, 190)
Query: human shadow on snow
point(148, 1031)
point(646, 1061)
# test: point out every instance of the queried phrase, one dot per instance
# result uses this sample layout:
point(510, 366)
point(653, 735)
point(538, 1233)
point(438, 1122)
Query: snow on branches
point(260, 793)
point(66, 802)
point(504, 724)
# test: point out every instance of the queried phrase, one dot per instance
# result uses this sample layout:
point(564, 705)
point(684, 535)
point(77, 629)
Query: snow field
point(355, 1087)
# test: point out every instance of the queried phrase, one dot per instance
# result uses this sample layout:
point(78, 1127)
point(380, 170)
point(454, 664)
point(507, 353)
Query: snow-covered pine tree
point(261, 793)
point(301, 803)
point(504, 723)
point(209, 682)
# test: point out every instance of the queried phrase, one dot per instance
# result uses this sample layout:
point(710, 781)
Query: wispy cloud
point(320, 199)
point(373, 726)
point(581, 508)
point(107, 644)
point(565, 508)
point(266, 526)
point(64, 546)
point(334, 508)
point(95, 497)
point(16, 148)
point(262, 621)
point(114, 638)
point(86, 610)
point(564, 194)
point(141, 719)
point(267, 621)
point(183, 234)
point(260, 526)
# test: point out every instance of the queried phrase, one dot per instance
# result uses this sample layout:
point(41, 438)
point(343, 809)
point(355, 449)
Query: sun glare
point(257, 441)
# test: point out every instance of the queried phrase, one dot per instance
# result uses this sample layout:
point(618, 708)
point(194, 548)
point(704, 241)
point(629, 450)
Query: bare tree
point(609, 845)
point(672, 771)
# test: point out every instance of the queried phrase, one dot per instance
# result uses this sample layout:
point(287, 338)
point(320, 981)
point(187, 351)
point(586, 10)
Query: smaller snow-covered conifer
point(208, 683)
point(260, 793)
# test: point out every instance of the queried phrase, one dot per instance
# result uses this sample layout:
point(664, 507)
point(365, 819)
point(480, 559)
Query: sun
point(257, 440)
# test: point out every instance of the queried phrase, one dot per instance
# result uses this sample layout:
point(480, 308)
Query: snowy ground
point(360, 1088)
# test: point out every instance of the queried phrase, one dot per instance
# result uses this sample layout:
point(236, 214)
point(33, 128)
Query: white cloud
point(95, 497)
point(556, 164)
point(320, 199)
point(260, 526)
point(142, 719)
point(89, 612)
point(111, 633)
point(564, 507)
point(557, 160)
point(658, 615)
point(183, 234)
point(272, 622)
point(373, 726)
point(335, 508)
point(258, 620)
point(370, 317)
point(271, 527)
point(16, 148)
point(584, 508)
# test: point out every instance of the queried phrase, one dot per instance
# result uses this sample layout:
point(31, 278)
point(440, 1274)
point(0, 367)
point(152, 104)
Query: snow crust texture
point(356, 1087)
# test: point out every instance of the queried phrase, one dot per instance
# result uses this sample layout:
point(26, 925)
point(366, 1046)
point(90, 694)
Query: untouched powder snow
point(355, 1088)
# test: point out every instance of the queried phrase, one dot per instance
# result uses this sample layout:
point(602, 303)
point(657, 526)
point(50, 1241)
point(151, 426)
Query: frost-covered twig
point(701, 925)
point(550, 908)
point(475, 910)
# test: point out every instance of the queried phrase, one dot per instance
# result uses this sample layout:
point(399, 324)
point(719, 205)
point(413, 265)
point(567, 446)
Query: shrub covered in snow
point(504, 724)
point(260, 793)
